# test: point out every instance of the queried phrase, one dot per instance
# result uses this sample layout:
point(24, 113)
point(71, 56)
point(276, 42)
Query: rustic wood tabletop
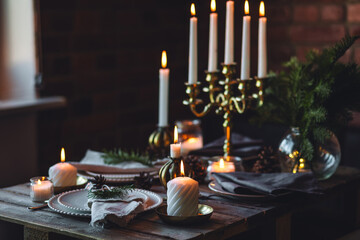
point(229, 219)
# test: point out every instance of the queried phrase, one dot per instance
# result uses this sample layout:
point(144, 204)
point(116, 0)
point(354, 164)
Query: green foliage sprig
point(118, 156)
point(116, 192)
point(316, 96)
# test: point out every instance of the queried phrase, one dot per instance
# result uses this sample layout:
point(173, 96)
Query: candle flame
point(182, 169)
point(38, 182)
point(221, 163)
point(262, 9)
point(42, 178)
point(163, 59)
point(62, 155)
point(192, 9)
point(176, 136)
point(246, 7)
point(213, 5)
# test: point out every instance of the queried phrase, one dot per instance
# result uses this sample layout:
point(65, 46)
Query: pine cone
point(267, 161)
point(99, 180)
point(197, 166)
point(144, 181)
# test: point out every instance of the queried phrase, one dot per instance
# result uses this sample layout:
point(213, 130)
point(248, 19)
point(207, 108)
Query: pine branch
point(116, 192)
point(119, 156)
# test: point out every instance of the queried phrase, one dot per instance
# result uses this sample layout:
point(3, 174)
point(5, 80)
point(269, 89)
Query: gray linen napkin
point(118, 211)
point(267, 183)
point(243, 146)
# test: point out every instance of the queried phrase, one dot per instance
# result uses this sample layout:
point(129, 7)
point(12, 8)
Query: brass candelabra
point(227, 96)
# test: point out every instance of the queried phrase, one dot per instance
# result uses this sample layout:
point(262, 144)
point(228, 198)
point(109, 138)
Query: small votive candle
point(222, 166)
point(41, 189)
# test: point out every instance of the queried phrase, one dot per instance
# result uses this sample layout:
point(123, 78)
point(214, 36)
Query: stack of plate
point(126, 177)
point(75, 203)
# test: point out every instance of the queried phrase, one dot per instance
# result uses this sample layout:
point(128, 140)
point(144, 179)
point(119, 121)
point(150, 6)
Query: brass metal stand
point(227, 97)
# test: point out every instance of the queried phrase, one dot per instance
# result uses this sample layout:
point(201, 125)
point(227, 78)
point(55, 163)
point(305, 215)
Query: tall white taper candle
point(262, 46)
point(229, 33)
point(213, 39)
point(193, 58)
point(163, 91)
point(245, 50)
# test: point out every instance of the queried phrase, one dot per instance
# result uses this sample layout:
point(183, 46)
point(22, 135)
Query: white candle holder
point(41, 189)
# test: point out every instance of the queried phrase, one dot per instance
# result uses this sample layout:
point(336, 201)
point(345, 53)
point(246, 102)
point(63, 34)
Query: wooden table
point(229, 219)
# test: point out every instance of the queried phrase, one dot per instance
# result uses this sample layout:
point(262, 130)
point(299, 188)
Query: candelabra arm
point(205, 111)
point(227, 130)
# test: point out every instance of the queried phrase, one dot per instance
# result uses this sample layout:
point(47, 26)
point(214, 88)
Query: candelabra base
point(159, 142)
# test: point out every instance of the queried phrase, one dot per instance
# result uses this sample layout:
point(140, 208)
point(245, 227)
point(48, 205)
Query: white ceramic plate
point(57, 207)
point(113, 178)
point(153, 201)
point(78, 200)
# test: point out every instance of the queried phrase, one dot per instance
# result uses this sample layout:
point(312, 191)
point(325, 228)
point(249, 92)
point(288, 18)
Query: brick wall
point(104, 57)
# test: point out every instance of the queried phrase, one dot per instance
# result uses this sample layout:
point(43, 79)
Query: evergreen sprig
point(116, 192)
point(316, 96)
point(118, 156)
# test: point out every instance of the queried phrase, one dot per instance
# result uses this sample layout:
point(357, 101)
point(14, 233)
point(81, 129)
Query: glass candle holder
point(190, 135)
point(41, 189)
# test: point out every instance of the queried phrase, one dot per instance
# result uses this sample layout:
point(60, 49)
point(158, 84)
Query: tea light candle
point(175, 148)
point(190, 144)
point(222, 166)
point(182, 195)
point(63, 174)
point(41, 189)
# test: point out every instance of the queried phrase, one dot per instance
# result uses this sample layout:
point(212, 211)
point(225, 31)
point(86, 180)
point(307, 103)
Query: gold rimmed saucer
point(80, 183)
point(204, 214)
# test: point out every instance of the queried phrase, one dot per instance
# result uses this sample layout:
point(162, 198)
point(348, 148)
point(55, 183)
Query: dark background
point(104, 56)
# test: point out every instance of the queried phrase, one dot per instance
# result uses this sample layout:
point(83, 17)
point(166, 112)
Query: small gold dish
point(80, 183)
point(204, 214)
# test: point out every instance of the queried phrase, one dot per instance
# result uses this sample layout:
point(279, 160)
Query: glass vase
point(323, 165)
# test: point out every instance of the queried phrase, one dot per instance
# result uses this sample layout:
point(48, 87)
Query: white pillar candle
point(163, 91)
point(213, 41)
point(245, 50)
point(63, 174)
point(182, 196)
point(190, 144)
point(262, 48)
point(193, 58)
point(175, 148)
point(229, 33)
point(41, 190)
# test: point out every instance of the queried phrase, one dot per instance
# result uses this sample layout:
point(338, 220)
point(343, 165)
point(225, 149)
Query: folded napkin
point(117, 211)
point(242, 146)
point(95, 163)
point(267, 183)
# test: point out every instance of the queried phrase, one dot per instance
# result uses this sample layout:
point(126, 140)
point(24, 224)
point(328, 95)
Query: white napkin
point(118, 211)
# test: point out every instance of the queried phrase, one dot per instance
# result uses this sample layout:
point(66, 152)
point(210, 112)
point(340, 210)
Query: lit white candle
point(213, 41)
point(63, 174)
point(163, 91)
point(222, 166)
point(193, 58)
point(245, 50)
point(262, 47)
point(41, 190)
point(191, 144)
point(229, 33)
point(175, 148)
point(182, 195)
